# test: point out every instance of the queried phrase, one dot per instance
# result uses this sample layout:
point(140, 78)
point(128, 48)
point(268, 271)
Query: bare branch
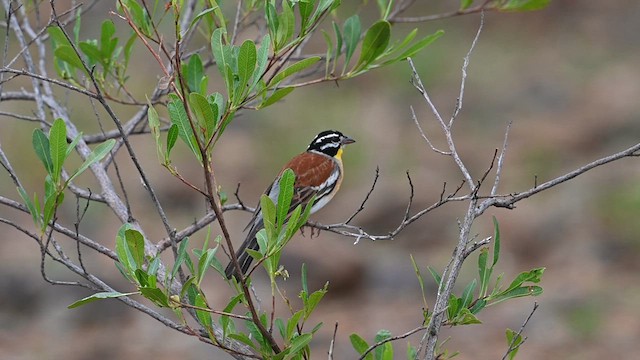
point(417, 83)
point(465, 64)
point(333, 341)
point(424, 136)
point(366, 198)
point(512, 345)
point(508, 201)
point(393, 338)
point(494, 189)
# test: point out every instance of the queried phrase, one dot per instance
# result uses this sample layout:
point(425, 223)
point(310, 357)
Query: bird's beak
point(347, 140)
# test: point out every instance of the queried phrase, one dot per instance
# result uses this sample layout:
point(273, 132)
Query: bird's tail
point(244, 259)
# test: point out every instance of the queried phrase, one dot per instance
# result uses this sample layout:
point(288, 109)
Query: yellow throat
point(339, 154)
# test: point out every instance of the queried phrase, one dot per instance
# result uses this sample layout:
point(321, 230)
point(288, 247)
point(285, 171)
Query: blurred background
point(567, 77)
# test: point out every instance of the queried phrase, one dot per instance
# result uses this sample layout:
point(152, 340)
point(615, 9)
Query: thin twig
point(333, 341)
point(424, 135)
point(393, 338)
point(494, 188)
point(366, 198)
point(512, 344)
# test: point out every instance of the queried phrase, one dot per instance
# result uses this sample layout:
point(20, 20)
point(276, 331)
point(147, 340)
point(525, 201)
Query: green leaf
point(280, 326)
point(247, 58)
point(415, 48)
point(467, 294)
point(73, 144)
point(305, 8)
point(128, 47)
point(416, 269)
point(324, 5)
point(33, 210)
point(155, 295)
point(515, 293)
point(225, 321)
point(194, 73)
point(329, 57)
point(305, 286)
point(135, 243)
point(203, 316)
point(307, 212)
point(93, 53)
point(268, 216)
point(98, 296)
point(68, 55)
point(435, 275)
point(465, 317)
point(272, 23)
point(285, 194)
point(484, 272)
point(262, 59)
point(479, 305)
point(524, 5)
point(96, 155)
point(124, 253)
point(496, 242)
point(243, 338)
point(351, 37)
point(222, 55)
point(172, 137)
point(154, 266)
point(204, 262)
point(533, 276)
point(514, 340)
point(338, 49)
point(139, 16)
point(200, 15)
point(286, 26)
point(292, 69)
point(50, 205)
point(180, 256)
point(57, 147)
point(412, 353)
point(154, 125)
point(76, 27)
point(277, 96)
point(107, 44)
point(299, 342)
point(404, 43)
point(384, 352)
point(41, 147)
point(179, 117)
point(453, 307)
point(205, 114)
point(360, 345)
point(293, 224)
point(465, 4)
point(313, 300)
point(292, 325)
point(375, 42)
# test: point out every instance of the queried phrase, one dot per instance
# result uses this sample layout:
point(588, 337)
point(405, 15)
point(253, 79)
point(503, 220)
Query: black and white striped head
point(329, 142)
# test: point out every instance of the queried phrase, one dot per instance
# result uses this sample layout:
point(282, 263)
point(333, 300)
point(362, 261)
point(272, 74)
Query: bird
point(318, 173)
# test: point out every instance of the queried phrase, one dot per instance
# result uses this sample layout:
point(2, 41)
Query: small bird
point(319, 173)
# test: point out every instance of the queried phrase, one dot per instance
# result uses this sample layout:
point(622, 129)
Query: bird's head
point(330, 142)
